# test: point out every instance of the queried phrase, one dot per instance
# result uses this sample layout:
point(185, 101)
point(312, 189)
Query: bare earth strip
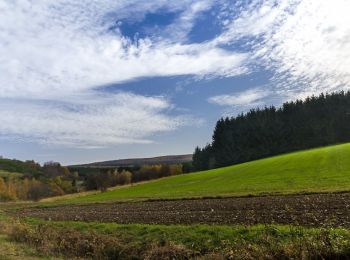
point(307, 210)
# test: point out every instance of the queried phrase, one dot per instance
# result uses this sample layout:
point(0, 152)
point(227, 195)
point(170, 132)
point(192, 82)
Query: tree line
point(104, 178)
point(29, 180)
point(297, 125)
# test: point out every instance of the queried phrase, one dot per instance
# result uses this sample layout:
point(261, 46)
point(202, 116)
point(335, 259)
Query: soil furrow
point(307, 210)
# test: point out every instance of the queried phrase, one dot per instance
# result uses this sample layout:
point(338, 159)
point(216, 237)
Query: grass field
point(318, 170)
point(114, 241)
point(32, 238)
point(9, 174)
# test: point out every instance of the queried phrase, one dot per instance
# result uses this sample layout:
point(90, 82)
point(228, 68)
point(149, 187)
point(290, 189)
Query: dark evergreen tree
point(313, 122)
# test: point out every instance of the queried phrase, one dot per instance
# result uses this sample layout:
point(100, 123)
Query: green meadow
point(324, 169)
point(318, 170)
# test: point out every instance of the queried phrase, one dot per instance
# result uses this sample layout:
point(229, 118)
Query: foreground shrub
point(67, 242)
point(169, 252)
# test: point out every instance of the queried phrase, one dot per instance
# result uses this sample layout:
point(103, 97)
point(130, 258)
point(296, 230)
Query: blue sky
point(84, 81)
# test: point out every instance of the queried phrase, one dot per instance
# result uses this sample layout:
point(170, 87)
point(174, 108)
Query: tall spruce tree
point(301, 124)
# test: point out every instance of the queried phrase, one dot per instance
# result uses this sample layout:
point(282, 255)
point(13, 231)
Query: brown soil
point(307, 210)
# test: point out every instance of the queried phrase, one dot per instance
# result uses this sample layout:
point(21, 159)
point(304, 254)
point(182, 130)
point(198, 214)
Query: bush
point(124, 177)
point(68, 242)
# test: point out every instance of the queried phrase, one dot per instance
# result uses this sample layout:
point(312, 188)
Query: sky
point(91, 80)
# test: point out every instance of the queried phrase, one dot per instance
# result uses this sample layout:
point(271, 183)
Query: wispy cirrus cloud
point(90, 121)
point(56, 55)
point(243, 101)
point(304, 43)
point(68, 47)
point(251, 97)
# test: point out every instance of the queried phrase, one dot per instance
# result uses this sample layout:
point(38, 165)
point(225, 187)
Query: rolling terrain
point(256, 208)
point(324, 169)
point(169, 159)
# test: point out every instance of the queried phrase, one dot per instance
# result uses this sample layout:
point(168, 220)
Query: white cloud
point(179, 30)
point(54, 53)
point(95, 121)
point(306, 43)
point(50, 48)
point(251, 97)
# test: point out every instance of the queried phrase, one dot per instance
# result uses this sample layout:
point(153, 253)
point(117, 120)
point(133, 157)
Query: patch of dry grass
point(12, 250)
point(108, 241)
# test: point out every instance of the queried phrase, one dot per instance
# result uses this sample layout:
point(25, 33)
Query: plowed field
point(306, 210)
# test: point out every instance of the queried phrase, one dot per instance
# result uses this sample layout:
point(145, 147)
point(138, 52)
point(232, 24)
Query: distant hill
point(168, 159)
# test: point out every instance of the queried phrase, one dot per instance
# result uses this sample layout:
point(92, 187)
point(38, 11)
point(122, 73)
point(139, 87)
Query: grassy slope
point(4, 173)
point(317, 170)
point(325, 169)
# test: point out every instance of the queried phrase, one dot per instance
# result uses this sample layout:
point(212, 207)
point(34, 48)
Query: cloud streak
point(97, 121)
point(305, 43)
point(67, 48)
point(251, 97)
point(56, 55)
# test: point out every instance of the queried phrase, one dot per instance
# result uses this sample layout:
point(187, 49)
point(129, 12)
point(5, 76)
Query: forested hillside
point(137, 162)
point(297, 125)
point(29, 180)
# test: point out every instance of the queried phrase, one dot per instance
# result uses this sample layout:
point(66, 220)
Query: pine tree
point(296, 125)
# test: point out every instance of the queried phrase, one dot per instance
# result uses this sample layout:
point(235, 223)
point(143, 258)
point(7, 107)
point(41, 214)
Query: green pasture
point(318, 170)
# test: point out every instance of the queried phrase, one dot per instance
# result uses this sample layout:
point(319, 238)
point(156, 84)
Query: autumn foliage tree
point(30, 181)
